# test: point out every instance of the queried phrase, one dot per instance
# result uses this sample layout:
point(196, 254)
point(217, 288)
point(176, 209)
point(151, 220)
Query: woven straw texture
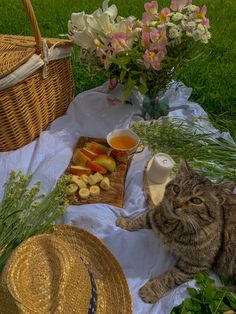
point(27, 108)
point(42, 276)
point(28, 277)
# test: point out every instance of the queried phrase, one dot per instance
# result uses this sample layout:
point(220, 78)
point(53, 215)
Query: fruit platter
point(97, 174)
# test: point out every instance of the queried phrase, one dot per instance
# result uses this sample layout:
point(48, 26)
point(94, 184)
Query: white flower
point(191, 8)
point(175, 32)
point(102, 20)
point(84, 39)
point(197, 35)
point(78, 20)
point(191, 24)
point(84, 28)
point(80, 32)
point(177, 16)
point(201, 28)
point(208, 35)
point(111, 11)
point(204, 39)
point(170, 24)
point(189, 34)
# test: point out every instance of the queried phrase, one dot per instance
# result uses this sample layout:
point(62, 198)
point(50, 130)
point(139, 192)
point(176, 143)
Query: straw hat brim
point(113, 295)
point(113, 291)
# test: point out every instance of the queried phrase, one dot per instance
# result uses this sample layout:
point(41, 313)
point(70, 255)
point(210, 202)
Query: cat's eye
point(176, 188)
point(196, 200)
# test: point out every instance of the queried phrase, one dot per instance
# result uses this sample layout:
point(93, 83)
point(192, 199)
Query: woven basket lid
point(16, 50)
point(49, 274)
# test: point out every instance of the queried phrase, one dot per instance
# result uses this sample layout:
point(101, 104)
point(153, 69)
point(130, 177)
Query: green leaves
point(24, 212)
point(211, 156)
point(207, 299)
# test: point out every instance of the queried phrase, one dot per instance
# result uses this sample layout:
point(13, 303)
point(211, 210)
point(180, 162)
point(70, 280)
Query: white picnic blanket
point(95, 113)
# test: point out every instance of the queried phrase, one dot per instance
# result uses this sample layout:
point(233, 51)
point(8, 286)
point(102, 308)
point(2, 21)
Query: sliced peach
point(79, 170)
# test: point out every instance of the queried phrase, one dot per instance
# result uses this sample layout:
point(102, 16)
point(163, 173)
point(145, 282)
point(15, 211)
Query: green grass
point(211, 75)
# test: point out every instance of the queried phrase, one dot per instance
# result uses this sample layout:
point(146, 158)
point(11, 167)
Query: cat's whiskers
point(200, 228)
point(193, 224)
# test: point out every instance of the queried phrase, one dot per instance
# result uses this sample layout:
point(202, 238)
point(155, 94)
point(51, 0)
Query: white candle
point(160, 168)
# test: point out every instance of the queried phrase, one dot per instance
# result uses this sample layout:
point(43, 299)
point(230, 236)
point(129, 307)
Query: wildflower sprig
point(25, 212)
point(207, 152)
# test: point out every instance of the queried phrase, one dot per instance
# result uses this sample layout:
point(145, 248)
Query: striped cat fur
point(196, 220)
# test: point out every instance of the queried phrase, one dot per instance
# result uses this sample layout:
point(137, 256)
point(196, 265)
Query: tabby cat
point(196, 220)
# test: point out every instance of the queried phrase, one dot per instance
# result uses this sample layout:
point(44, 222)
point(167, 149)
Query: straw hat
point(67, 271)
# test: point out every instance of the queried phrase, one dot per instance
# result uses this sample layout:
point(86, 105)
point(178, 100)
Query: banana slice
point(72, 188)
point(74, 179)
point(92, 180)
point(98, 176)
point(105, 183)
point(94, 190)
point(81, 184)
point(84, 177)
point(84, 193)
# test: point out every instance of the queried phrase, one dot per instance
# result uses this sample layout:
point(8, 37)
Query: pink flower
point(147, 19)
point(145, 39)
point(206, 22)
point(151, 59)
point(162, 40)
point(119, 42)
point(201, 12)
point(154, 35)
point(201, 15)
point(151, 7)
point(163, 15)
point(178, 5)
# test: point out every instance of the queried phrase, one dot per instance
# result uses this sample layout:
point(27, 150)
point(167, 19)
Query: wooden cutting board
point(115, 195)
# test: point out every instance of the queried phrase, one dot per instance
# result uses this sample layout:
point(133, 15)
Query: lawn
point(212, 75)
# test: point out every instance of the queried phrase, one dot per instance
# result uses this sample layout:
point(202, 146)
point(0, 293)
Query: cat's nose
point(177, 203)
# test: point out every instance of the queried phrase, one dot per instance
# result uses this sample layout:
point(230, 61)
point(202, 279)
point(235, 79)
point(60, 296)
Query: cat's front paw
point(124, 223)
point(149, 293)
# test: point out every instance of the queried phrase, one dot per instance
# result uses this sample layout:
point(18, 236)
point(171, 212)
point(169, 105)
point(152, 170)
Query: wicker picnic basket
point(31, 99)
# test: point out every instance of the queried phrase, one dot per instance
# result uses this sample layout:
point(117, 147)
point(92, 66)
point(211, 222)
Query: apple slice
point(91, 155)
point(105, 161)
point(79, 158)
point(96, 167)
point(79, 170)
point(97, 148)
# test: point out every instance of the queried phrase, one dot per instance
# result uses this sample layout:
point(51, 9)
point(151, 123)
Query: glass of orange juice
point(124, 142)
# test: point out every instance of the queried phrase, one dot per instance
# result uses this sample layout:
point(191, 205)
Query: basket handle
point(34, 24)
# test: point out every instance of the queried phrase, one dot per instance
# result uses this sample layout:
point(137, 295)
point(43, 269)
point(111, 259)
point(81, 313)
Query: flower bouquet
point(144, 53)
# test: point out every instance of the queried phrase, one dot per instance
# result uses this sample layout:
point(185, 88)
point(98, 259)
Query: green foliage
point(211, 76)
point(206, 152)
point(207, 299)
point(24, 212)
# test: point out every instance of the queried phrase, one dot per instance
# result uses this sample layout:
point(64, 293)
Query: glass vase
point(153, 107)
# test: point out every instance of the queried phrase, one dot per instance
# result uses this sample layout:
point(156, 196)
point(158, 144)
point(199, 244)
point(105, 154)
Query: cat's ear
point(225, 187)
point(184, 168)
